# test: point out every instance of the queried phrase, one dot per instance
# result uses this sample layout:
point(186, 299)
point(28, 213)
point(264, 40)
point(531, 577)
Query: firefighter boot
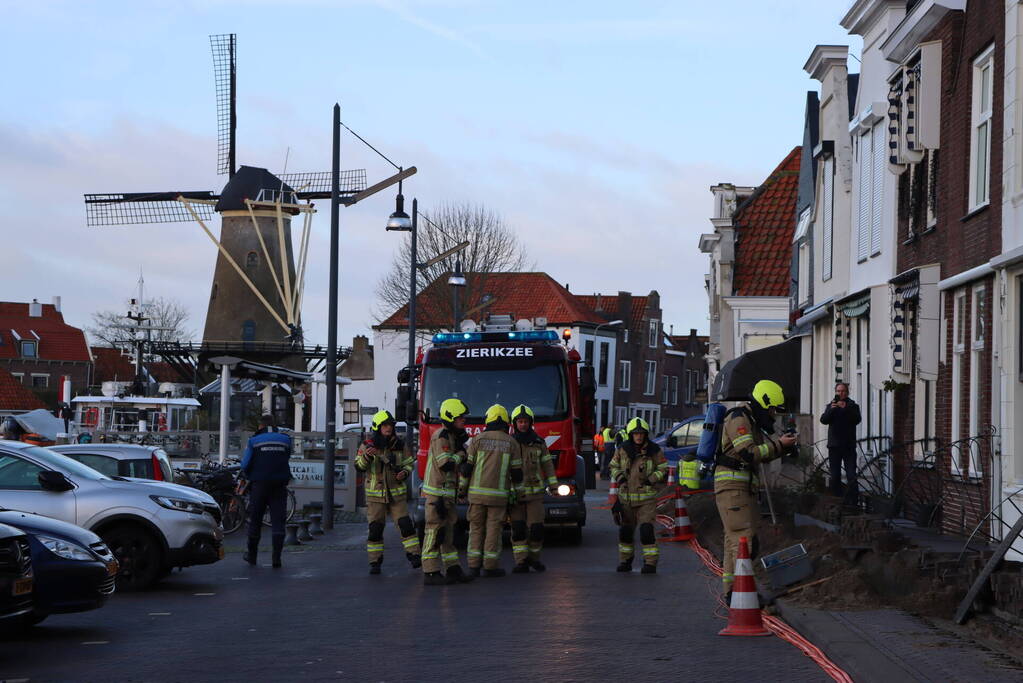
point(649, 569)
point(374, 567)
point(474, 572)
point(521, 568)
point(433, 579)
point(250, 554)
point(456, 575)
point(415, 560)
point(278, 547)
point(625, 566)
point(537, 565)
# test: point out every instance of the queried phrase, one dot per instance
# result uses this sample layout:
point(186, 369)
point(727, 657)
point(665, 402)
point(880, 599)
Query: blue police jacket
point(266, 457)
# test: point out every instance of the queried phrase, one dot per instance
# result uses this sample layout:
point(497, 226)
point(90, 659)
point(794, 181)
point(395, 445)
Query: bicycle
point(290, 503)
point(221, 483)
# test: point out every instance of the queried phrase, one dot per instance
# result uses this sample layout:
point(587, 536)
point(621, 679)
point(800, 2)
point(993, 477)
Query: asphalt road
point(323, 617)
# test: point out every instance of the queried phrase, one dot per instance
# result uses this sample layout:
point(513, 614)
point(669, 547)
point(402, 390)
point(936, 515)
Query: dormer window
point(29, 349)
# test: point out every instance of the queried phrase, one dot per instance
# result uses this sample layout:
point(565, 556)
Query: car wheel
point(138, 555)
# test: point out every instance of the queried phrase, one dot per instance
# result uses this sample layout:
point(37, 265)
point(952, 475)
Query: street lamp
point(456, 281)
point(597, 329)
point(399, 220)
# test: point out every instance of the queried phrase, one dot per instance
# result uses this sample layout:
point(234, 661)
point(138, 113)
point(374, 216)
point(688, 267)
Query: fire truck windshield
point(541, 387)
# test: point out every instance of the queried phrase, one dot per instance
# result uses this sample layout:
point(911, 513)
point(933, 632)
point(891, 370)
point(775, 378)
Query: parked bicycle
point(290, 504)
point(221, 482)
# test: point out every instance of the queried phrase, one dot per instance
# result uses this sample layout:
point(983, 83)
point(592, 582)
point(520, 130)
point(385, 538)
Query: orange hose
point(777, 626)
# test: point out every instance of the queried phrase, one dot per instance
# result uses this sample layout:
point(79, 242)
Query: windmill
point(258, 284)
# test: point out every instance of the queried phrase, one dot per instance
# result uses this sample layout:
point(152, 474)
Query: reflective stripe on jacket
point(645, 470)
point(492, 454)
point(742, 440)
point(438, 482)
point(379, 465)
point(537, 471)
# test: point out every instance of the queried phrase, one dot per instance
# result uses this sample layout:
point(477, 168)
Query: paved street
point(323, 617)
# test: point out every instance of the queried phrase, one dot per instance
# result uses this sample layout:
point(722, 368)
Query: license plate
point(112, 568)
point(22, 586)
point(559, 512)
point(220, 552)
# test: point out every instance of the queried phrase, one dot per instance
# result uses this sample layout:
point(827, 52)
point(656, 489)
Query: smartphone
point(836, 399)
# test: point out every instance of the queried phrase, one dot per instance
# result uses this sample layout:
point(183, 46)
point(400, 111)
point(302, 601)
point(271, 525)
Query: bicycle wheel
point(289, 510)
point(232, 510)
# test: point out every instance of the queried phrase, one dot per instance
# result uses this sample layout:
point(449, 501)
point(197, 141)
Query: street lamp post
point(456, 281)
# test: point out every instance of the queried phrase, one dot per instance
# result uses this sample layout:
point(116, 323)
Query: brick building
point(38, 348)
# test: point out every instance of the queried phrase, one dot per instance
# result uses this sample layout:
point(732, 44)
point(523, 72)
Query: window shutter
point(877, 185)
point(863, 198)
point(827, 204)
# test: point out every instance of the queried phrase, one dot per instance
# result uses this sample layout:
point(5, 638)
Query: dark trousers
point(263, 495)
point(838, 458)
point(605, 461)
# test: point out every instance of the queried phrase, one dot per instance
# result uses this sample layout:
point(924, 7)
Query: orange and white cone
point(671, 475)
point(612, 495)
point(683, 528)
point(744, 617)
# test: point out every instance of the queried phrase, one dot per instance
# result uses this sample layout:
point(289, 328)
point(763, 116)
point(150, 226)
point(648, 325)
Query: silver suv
point(150, 527)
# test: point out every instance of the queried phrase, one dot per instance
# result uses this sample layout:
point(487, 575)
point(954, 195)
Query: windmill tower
point(258, 281)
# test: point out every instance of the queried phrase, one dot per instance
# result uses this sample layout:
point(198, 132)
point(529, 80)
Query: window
point(650, 377)
point(605, 353)
point(803, 284)
point(653, 334)
point(958, 348)
point(621, 416)
point(871, 186)
point(827, 222)
point(18, 474)
point(20, 376)
point(40, 381)
point(29, 349)
point(100, 463)
point(674, 390)
point(664, 389)
point(588, 353)
point(350, 411)
point(977, 335)
point(980, 129)
point(604, 408)
point(924, 418)
point(624, 375)
point(687, 435)
point(252, 260)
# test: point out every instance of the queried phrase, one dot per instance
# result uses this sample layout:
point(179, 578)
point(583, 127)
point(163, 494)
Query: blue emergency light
point(476, 337)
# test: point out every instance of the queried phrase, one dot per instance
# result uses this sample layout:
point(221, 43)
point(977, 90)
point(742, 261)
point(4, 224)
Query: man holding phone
point(841, 416)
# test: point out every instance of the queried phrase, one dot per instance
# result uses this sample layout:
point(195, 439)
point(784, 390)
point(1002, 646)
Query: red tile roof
point(57, 339)
point(524, 295)
point(115, 365)
point(609, 304)
point(764, 225)
point(16, 396)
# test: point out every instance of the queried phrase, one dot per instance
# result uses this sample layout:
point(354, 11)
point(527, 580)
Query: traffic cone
point(744, 612)
point(683, 528)
point(612, 495)
point(671, 475)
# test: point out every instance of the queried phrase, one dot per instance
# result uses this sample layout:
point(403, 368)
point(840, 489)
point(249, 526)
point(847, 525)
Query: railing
point(198, 444)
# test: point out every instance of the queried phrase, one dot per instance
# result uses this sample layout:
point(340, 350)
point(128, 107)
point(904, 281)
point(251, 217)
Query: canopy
point(41, 422)
point(780, 363)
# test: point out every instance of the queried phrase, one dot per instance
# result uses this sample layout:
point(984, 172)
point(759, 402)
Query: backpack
point(713, 426)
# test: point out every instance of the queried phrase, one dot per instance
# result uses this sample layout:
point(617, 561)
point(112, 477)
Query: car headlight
point(65, 549)
point(564, 490)
point(178, 504)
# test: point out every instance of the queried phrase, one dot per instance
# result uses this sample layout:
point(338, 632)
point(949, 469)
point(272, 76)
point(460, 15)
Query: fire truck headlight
point(564, 489)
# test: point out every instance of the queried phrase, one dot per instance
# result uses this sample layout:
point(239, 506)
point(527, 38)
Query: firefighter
point(607, 449)
point(531, 481)
point(639, 467)
point(447, 452)
point(746, 441)
point(382, 457)
point(492, 456)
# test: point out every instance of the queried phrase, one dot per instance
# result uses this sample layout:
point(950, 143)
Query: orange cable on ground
point(777, 626)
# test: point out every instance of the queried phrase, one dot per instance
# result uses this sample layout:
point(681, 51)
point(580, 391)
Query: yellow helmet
point(522, 410)
point(769, 394)
point(496, 412)
point(637, 424)
point(452, 408)
point(381, 418)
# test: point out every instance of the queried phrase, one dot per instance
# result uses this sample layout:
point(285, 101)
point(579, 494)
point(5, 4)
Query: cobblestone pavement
point(323, 617)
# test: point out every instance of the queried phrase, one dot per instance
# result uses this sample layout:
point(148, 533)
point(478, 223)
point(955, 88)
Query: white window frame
point(45, 376)
point(654, 329)
point(827, 218)
point(958, 349)
point(878, 175)
point(20, 376)
point(625, 375)
point(649, 377)
point(625, 336)
point(621, 416)
point(864, 148)
point(981, 120)
point(923, 418)
point(978, 341)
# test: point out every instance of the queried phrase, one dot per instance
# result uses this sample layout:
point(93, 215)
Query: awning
point(908, 292)
point(856, 307)
point(780, 363)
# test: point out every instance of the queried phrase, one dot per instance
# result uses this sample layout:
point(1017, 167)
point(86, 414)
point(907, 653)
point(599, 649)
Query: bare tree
point(110, 328)
point(493, 248)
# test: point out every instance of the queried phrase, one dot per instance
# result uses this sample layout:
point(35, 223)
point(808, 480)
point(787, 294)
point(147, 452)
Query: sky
point(595, 129)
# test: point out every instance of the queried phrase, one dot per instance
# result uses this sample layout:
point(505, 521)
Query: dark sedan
point(16, 581)
point(74, 569)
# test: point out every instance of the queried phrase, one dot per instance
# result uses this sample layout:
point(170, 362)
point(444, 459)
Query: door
point(20, 490)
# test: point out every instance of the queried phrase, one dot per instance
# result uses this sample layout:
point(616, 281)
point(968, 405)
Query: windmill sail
point(225, 63)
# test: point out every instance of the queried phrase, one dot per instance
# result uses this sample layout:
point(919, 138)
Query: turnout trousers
point(439, 550)
point(485, 534)
point(263, 495)
point(739, 512)
point(376, 514)
point(527, 529)
point(642, 514)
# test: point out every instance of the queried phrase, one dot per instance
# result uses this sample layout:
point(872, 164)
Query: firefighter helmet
point(637, 424)
point(382, 418)
point(496, 412)
point(452, 408)
point(522, 410)
point(769, 394)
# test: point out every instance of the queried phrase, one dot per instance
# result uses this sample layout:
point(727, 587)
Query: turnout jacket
point(743, 441)
point(644, 467)
point(381, 462)
point(447, 452)
point(492, 454)
point(537, 468)
point(266, 457)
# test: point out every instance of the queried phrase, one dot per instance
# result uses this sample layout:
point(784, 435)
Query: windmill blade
point(136, 208)
point(317, 185)
point(225, 63)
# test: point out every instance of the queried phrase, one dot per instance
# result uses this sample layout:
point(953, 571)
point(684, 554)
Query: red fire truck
point(513, 366)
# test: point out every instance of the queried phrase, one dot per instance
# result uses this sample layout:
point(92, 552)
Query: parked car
point(121, 459)
point(151, 527)
point(74, 570)
point(682, 439)
point(16, 580)
point(364, 427)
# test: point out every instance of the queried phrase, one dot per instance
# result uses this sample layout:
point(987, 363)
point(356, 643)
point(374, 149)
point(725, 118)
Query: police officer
point(531, 481)
point(639, 467)
point(746, 441)
point(492, 456)
point(265, 465)
point(440, 486)
point(382, 457)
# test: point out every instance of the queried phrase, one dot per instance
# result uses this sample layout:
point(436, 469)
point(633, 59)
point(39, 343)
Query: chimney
point(35, 309)
point(360, 344)
point(56, 303)
point(671, 329)
point(625, 308)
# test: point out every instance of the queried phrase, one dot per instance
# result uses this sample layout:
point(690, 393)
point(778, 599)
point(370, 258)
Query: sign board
point(308, 474)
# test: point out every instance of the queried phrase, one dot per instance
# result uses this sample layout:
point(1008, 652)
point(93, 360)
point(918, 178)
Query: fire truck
point(510, 364)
